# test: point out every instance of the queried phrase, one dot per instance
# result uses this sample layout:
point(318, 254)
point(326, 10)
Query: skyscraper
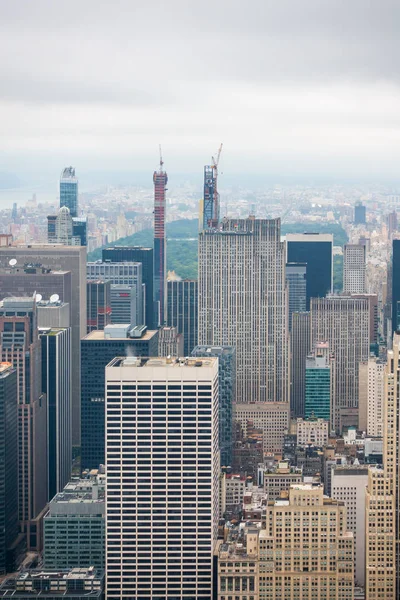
point(226, 389)
point(144, 256)
point(125, 274)
point(318, 387)
point(300, 346)
point(371, 396)
point(69, 191)
point(97, 350)
point(360, 213)
point(296, 280)
point(19, 345)
point(242, 303)
point(344, 323)
point(60, 258)
point(183, 310)
point(162, 485)
point(395, 285)
point(354, 265)
point(315, 250)
point(383, 498)
point(160, 181)
point(57, 385)
point(98, 305)
point(8, 466)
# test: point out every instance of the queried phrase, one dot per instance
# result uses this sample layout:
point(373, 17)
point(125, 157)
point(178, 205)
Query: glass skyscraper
point(69, 191)
point(318, 388)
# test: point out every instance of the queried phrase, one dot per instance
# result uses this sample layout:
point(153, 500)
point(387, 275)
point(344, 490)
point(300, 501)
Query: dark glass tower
point(396, 285)
point(98, 300)
point(226, 385)
point(315, 250)
point(360, 214)
point(144, 256)
point(97, 350)
point(8, 466)
point(69, 191)
point(182, 304)
point(296, 281)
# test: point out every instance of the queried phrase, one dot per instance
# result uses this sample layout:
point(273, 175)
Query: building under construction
point(211, 195)
point(160, 180)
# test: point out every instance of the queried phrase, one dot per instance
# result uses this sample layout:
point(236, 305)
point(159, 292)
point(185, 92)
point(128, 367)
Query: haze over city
point(296, 90)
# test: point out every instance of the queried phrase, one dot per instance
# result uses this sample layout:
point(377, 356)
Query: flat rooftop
point(99, 335)
point(170, 363)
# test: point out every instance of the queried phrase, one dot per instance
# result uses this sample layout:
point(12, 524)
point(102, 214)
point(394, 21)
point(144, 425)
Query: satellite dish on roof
point(38, 297)
point(54, 298)
point(12, 262)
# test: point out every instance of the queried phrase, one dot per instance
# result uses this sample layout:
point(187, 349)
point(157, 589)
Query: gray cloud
point(84, 76)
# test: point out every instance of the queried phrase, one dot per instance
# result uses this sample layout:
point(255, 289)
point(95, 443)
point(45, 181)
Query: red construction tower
point(160, 180)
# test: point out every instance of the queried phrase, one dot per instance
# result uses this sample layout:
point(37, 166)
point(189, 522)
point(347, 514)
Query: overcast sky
point(289, 86)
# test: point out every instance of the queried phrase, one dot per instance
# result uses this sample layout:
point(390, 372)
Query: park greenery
point(182, 245)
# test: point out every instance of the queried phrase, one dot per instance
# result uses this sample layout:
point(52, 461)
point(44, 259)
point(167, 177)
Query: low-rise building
point(280, 479)
point(312, 431)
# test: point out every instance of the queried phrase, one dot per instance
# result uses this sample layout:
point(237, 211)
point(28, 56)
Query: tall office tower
point(69, 191)
point(79, 231)
point(354, 265)
point(121, 273)
point(60, 258)
point(64, 227)
point(57, 385)
point(296, 281)
point(162, 484)
point(98, 305)
point(344, 323)
point(226, 385)
point(52, 314)
point(271, 417)
point(392, 223)
point(170, 342)
point(319, 387)
point(8, 466)
point(373, 319)
point(160, 181)
point(97, 350)
point(144, 256)
point(182, 310)
point(371, 396)
point(242, 303)
point(300, 345)
point(396, 286)
point(314, 249)
point(306, 549)
point(211, 198)
point(360, 214)
point(74, 526)
point(126, 304)
point(383, 497)
point(20, 346)
point(348, 484)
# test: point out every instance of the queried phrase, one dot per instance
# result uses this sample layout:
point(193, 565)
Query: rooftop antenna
point(161, 158)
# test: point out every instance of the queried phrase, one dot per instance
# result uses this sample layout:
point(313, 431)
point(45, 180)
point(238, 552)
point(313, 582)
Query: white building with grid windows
point(162, 461)
point(354, 263)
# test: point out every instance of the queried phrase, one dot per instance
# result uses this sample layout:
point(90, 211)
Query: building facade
point(319, 387)
point(315, 250)
point(271, 417)
point(165, 505)
point(160, 180)
point(57, 386)
point(313, 431)
point(242, 303)
point(98, 305)
point(61, 258)
point(226, 379)
point(354, 267)
point(296, 281)
point(360, 214)
point(98, 349)
point(8, 466)
point(69, 191)
point(371, 396)
point(144, 256)
point(182, 310)
point(344, 323)
point(300, 346)
point(395, 285)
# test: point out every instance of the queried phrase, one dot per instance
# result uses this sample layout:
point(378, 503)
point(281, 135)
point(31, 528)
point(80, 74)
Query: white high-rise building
point(162, 461)
point(371, 396)
point(354, 258)
point(349, 484)
point(343, 322)
point(243, 303)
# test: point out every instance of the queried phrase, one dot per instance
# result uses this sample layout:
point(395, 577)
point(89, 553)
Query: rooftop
point(168, 362)
point(99, 335)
